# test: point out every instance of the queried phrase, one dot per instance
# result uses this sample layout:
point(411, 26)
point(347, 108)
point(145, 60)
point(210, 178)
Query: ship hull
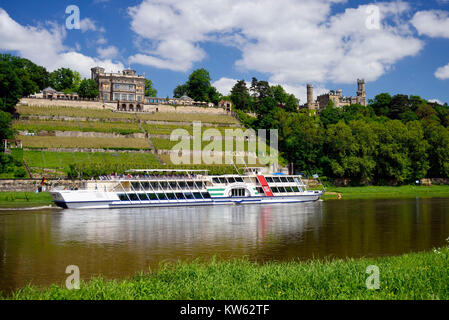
point(74, 200)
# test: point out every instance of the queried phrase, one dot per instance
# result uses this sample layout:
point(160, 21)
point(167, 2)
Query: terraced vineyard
point(83, 126)
point(85, 143)
point(58, 156)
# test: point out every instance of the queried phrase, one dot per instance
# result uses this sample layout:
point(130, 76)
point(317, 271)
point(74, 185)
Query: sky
point(396, 46)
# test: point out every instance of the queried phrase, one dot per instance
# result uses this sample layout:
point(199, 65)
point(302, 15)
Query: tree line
point(396, 139)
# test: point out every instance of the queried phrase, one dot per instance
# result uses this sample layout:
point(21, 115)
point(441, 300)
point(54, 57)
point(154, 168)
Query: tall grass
point(411, 276)
point(188, 117)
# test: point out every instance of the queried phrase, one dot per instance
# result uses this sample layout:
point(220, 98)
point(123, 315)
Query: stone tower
point(361, 92)
point(309, 96)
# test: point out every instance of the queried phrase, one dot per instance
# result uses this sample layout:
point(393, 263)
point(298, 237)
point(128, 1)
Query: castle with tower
point(336, 97)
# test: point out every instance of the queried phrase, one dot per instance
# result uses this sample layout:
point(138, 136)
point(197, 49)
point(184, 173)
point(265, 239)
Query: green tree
point(149, 90)
point(240, 96)
point(180, 91)
point(381, 104)
point(5, 125)
point(88, 88)
point(63, 79)
point(10, 87)
point(198, 86)
point(399, 104)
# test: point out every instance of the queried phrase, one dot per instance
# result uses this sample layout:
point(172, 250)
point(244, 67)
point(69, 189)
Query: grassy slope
point(386, 192)
point(24, 199)
point(411, 276)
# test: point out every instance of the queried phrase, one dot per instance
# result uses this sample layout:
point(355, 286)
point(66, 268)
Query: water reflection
point(37, 246)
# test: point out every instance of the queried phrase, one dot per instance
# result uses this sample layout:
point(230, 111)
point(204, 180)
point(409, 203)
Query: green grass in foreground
point(387, 192)
point(24, 199)
point(412, 276)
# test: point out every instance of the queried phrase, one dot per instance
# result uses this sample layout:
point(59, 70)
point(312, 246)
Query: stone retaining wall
point(113, 106)
point(32, 185)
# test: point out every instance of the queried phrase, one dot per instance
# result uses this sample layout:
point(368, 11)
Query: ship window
point(231, 180)
point(260, 190)
point(295, 189)
point(282, 189)
point(238, 192)
point(289, 189)
point(162, 196)
point(143, 197)
point(239, 179)
point(189, 196)
point(152, 196)
point(173, 185)
point(190, 184)
point(290, 179)
point(276, 179)
point(146, 185)
point(284, 179)
point(222, 180)
point(270, 180)
point(135, 185)
point(206, 195)
point(155, 185)
point(275, 189)
point(182, 185)
point(133, 197)
point(215, 180)
point(197, 195)
point(123, 197)
point(180, 196)
point(171, 196)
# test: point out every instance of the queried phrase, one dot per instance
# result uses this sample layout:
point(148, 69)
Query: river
point(36, 246)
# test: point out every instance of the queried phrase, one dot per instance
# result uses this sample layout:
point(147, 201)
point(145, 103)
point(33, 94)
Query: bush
point(20, 172)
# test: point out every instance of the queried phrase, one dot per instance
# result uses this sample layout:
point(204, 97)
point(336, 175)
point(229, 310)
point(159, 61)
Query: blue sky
point(397, 46)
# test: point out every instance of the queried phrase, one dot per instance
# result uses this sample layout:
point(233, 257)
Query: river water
point(36, 246)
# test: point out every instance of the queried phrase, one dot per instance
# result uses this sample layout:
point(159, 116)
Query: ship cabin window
point(231, 180)
point(289, 189)
point(215, 180)
point(123, 197)
point(171, 196)
point(162, 196)
point(180, 196)
point(290, 179)
point(152, 196)
point(197, 195)
point(269, 180)
point(284, 179)
point(239, 179)
point(173, 185)
point(206, 195)
point(189, 196)
point(223, 180)
point(238, 192)
point(164, 185)
point(276, 179)
point(154, 185)
point(260, 190)
point(146, 186)
point(190, 184)
point(133, 197)
point(143, 197)
point(182, 185)
point(295, 189)
point(275, 189)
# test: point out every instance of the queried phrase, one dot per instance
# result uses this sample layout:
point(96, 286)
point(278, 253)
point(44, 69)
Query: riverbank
point(24, 199)
point(378, 192)
point(418, 276)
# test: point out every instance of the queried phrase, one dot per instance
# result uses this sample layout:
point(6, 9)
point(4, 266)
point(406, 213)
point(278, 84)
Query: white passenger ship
point(162, 188)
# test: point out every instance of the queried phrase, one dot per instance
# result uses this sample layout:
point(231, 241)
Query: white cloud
point(87, 24)
point(293, 41)
point(45, 47)
point(436, 101)
point(442, 73)
point(433, 23)
point(224, 85)
point(110, 52)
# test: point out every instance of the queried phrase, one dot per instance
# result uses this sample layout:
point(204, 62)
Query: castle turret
point(361, 92)
point(309, 95)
